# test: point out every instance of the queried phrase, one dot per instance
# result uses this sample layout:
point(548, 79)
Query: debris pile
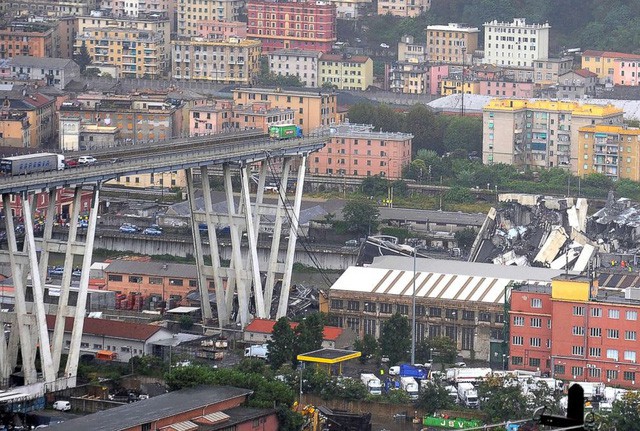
point(535, 230)
point(616, 227)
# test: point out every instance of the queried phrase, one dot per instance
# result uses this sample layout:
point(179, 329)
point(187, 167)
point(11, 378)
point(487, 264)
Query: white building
point(54, 71)
point(296, 62)
point(516, 43)
point(350, 9)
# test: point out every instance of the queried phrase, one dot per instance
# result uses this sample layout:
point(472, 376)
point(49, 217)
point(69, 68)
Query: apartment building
point(618, 68)
point(136, 8)
point(36, 39)
point(49, 8)
point(610, 150)
point(411, 77)
point(576, 84)
point(351, 9)
point(547, 71)
point(539, 133)
point(221, 30)
point(40, 111)
point(403, 8)
point(409, 50)
point(296, 62)
point(231, 61)
point(308, 25)
point(136, 47)
point(190, 13)
point(506, 88)
point(576, 331)
point(14, 129)
point(346, 72)
point(223, 115)
point(313, 108)
point(76, 134)
point(453, 43)
point(356, 150)
point(52, 71)
point(516, 43)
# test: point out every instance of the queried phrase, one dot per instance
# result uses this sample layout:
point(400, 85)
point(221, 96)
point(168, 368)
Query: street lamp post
point(413, 312)
point(504, 358)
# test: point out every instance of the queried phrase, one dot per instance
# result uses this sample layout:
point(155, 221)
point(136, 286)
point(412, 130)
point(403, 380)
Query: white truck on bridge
point(410, 386)
point(373, 384)
point(467, 395)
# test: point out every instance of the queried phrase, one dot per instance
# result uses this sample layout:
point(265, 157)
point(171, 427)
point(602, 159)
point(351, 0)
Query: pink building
point(436, 74)
point(504, 88)
point(222, 30)
point(355, 150)
point(224, 115)
point(625, 71)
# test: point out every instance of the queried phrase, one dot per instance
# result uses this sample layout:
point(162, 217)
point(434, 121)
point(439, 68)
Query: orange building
point(24, 38)
point(14, 129)
point(356, 150)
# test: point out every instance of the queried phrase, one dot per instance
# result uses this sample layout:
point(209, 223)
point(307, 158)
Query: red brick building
point(575, 330)
point(309, 25)
point(64, 204)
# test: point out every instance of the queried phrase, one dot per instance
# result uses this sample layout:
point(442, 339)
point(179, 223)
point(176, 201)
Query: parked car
point(352, 243)
point(128, 229)
point(86, 160)
point(152, 231)
point(56, 270)
point(63, 406)
point(76, 272)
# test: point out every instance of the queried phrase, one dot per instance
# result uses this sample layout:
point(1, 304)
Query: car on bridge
point(86, 160)
point(152, 231)
point(56, 270)
point(127, 228)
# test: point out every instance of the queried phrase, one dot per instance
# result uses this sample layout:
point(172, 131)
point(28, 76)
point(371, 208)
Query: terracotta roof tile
point(265, 326)
point(109, 328)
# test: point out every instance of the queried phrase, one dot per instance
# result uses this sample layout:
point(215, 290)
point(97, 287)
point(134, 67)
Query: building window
point(576, 371)
point(612, 354)
point(386, 308)
point(518, 321)
point(613, 334)
point(336, 304)
point(614, 314)
point(115, 277)
point(370, 307)
point(402, 309)
point(435, 311)
point(536, 303)
point(483, 316)
point(612, 374)
point(534, 362)
point(595, 352)
point(536, 322)
point(175, 281)
point(535, 342)
point(516, 360)
point(577, 350)
point(135, 279)
point(578, 330)
point(629, 375)
point(353, 305)
point(193, 283)
point(369, 326)
point(354, 324)
point(632, 315)
point(451, 313)
point(517, 340)
point(594, 372)
point(468, 315)
point(578, 310)
point(595, 332)
point(596, 312)
point(559, 369)
point(630, 355)
point(630, 335)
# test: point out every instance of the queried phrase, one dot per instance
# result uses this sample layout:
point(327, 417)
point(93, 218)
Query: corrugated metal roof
point(216, 417)
point(181, 426)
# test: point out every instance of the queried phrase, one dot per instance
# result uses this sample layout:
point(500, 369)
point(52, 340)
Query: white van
point(63, 406)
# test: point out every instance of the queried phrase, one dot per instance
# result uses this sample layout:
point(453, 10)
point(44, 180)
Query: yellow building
point(137, 47)
point(404, 8)
point(346, 72)
point(452, 43)
point(313, 108)
point(231, 61)
point(14, 129)
point(602, 63)
point(453, 85)
point(159, 180)
point(539, 133)
point(612, 150)
point(190, 13)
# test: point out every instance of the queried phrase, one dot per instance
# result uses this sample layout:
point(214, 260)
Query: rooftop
point(329, 356)
point(292, 91)
point(296, 52)
point(453, 26)
point(576, 108)
point(610, 54)
point(265, 326)
point(432, 216)
point(345, 58)
point(152, 409)
point(47, 63)
point(110, 328)
point(178, 270)
point(365, 131)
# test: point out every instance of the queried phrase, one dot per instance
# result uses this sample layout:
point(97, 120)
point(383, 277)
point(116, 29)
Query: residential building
point(516, 43)
point(40, 111)
point(191, 13)
point(67, 31)
point(223, 30)
point(506, 88)
point(409, 77)
point(63, 205)
point(308, 25)
point(454, 84)
point(576, 330)
point(259, 332)
point(203, 407)
point(610, 150)
point(141, 117)
point(76, 135)
point(36, 39)
point(313, 108)
point(577, 84)
point(52, 71)
point(231, 61)
point(345, 71)
point(223, 115)
point(460, 300)
point(136, 47)
point(14, 129)
point(159, 180)
point(136, 8)
point(403, 8)
point(46, 7)
point(409, 51)
point(618, 68)
point(123, 340)
point(163, 280)
point(452, 43)
point(547, 71)
point(356, 150)
point(539, 133)
point(351, 9)
point(296, 62)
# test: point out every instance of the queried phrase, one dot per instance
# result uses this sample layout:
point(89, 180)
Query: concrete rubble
point(536, 230)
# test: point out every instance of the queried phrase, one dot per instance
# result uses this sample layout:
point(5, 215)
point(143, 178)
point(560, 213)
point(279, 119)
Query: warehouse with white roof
point(461, 300)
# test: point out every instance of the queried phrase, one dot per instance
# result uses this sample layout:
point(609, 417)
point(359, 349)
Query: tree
point(309, 333)
point(395, 338)
point(625, 413)
point(434, 396)
point(361, 216)
point(368, 346)
point(83, 58)
point(458, 195)
point(375, 185)
point(282, 344)
point(441, 349)
point(502, 399)
point(465, 237)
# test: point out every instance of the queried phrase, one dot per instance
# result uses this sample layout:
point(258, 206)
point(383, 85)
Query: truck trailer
point(260, 351)
point(467, 395)
point(410, 386)
point(30, 163)
point(285, 131)
point(373, 384)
